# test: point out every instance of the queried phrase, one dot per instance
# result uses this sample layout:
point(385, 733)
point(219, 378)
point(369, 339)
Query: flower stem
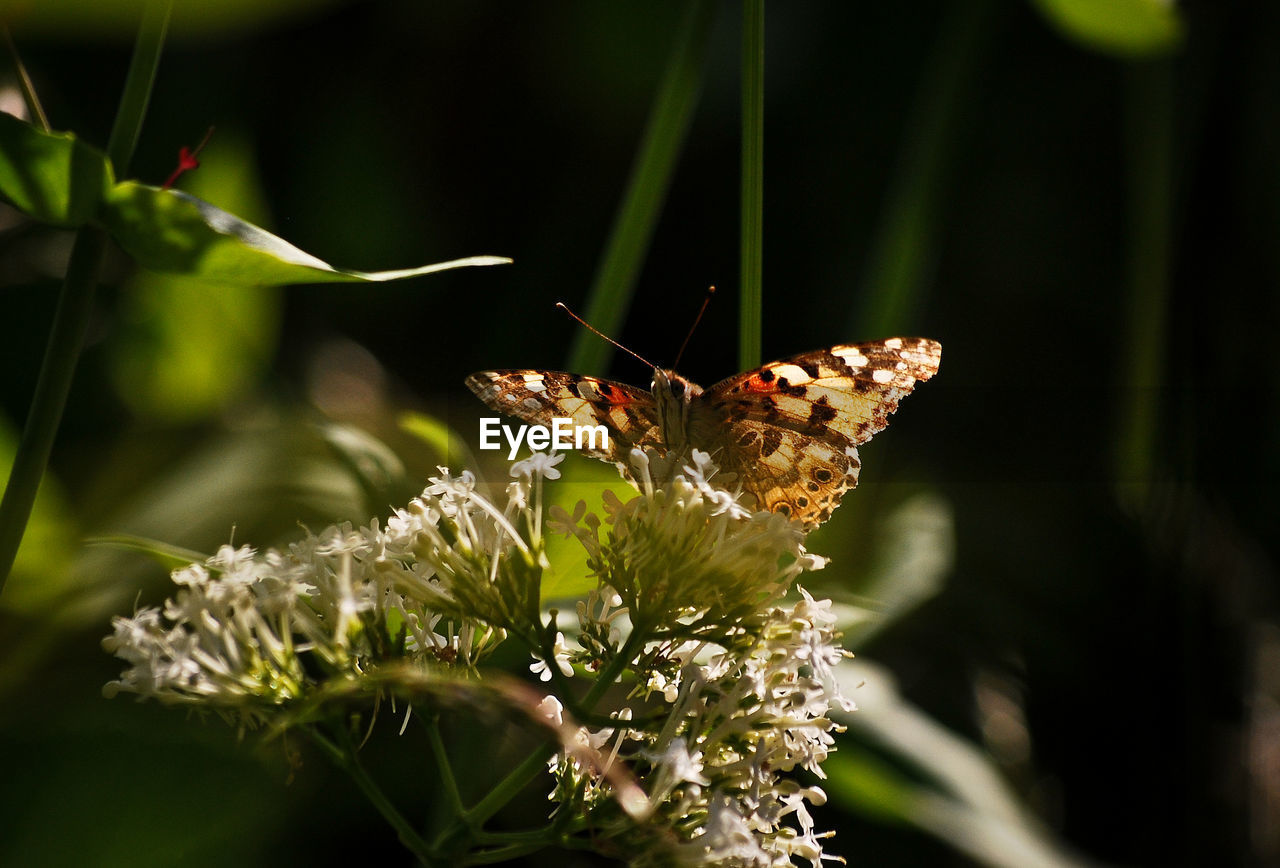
point(34, 110)
point(446, 768)
point(346, 757)
point(506, 789)
point(751, 271)
point(75, 303)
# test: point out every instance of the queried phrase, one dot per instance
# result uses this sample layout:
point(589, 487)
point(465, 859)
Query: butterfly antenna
point(706, 300)
point(564, 307)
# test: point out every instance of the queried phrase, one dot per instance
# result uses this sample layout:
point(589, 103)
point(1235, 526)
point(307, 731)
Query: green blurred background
point(1084, 212)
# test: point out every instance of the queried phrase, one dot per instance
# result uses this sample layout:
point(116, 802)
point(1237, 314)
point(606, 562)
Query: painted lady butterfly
point(789, 430)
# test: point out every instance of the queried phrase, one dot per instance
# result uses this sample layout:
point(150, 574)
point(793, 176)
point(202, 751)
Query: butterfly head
point(674, 394)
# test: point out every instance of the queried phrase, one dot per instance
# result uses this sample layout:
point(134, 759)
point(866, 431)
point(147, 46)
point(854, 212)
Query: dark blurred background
point(1090, 231)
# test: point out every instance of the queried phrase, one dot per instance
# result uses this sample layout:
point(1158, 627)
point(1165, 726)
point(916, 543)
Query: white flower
point(552, 710)
point(560, 657)
point(538, 464)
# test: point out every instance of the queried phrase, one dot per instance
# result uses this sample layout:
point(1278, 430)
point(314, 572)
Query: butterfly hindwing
point(629, 414)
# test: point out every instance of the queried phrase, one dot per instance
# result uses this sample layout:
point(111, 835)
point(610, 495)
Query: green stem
point(507, 788)
point(446, 768)
point(1150, 168)
point(347, 758)
point(137, 86)
point(532, 765)
point(751, 312)
point(29, 96)
point(75, 303)
point(664, 135)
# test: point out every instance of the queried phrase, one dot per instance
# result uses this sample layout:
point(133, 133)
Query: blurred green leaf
point(1130, 28)
point(174, 232)
point(374, 464)
point(448, 447)
point(965, 801)
point(914, 552)
point(184, 350)
point(188, 349)
point(583, 479)
point(118, 19)
point(42, 569)
point(51, 177)
point(168, 556)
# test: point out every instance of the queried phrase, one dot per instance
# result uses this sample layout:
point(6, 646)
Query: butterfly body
point(789, 430)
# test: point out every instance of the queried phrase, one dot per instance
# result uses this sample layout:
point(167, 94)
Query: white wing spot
point(852, 357)
point(893, 344)
point(792, 373)
point(532, 403)
point(901, 366)
point(882, 376)
point(535, 383)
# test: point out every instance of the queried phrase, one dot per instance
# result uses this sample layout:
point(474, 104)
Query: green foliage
point(52, 177)
point(55, 178)
point(1126, 28)
point(185, 349)
point(42, 569)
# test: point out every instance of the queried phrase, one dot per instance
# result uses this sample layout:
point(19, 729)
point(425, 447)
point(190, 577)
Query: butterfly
point(789, 430)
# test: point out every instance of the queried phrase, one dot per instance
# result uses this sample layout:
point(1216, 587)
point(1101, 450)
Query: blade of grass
point(1150, 169)
point(751, 271)
point(34, 110)
point(76, 300)
point(903, 248)
point(664, 135)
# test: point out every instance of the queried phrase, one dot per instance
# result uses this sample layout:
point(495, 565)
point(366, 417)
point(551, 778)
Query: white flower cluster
point(688, 550)
point(248, 632)
point(716, 765)
point(729, 687)
point(739, 686)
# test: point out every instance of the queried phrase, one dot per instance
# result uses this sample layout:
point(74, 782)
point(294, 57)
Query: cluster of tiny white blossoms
point(249, 632)
point(730, 686)
point(733, 688)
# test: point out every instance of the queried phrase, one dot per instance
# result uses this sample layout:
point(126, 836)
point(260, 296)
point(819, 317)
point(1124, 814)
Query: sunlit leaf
point(51, 177)
point(172, 231)
point(1124, 27)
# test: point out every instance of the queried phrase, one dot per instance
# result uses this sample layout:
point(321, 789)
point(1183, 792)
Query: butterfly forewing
point(629, 414)
point(789, 429)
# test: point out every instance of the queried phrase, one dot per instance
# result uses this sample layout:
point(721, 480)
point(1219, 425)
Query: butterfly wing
point(628, 414)
point(791, 428)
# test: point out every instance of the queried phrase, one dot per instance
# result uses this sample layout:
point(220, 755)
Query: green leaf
point(174, 232)
point(51, 177)
point(1129, 28)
